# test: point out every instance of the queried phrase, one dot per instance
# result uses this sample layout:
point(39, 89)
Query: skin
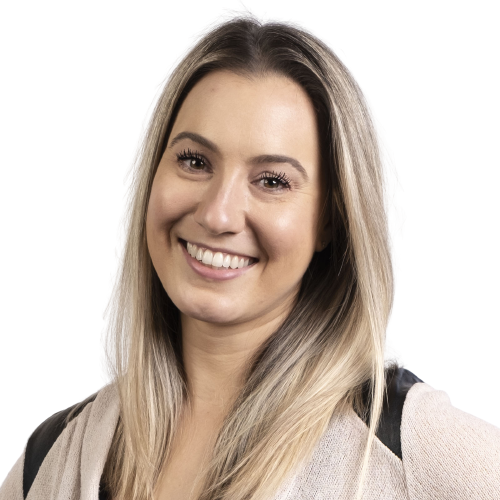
point(222, 202)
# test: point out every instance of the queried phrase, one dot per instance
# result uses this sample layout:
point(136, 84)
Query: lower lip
point(209, 272)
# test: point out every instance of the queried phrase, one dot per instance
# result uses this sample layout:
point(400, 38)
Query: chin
point(209, 314)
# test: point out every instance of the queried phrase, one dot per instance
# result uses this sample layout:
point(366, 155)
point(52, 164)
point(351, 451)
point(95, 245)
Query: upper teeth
point(217, 259)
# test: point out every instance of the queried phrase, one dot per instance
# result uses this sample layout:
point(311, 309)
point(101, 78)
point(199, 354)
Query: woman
point(251, 308)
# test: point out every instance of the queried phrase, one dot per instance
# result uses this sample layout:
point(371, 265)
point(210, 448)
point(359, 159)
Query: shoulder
point(68, 430)
point(399, 382)
point(447, 453)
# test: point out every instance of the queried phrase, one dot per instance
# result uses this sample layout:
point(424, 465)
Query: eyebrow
point(269, 158)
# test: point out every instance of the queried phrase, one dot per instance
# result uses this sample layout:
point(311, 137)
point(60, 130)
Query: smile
point(217, 260)
point(226, 266)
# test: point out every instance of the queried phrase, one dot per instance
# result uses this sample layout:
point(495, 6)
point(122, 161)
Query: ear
point(325, 225)
point(324, 237)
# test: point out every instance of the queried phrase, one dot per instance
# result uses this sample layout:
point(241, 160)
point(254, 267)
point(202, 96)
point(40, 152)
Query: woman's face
point(240, 179)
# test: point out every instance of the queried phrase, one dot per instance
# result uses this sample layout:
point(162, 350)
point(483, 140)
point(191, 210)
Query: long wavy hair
point(331, 345)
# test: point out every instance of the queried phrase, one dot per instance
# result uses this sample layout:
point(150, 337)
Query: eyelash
point(280, 177)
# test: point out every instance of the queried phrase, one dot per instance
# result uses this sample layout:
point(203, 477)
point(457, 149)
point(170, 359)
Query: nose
point(222, 207)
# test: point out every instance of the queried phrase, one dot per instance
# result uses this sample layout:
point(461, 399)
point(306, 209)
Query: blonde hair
point(315, 364)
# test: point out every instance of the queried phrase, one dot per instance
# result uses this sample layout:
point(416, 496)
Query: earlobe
point(323, 240)
point(321, 245)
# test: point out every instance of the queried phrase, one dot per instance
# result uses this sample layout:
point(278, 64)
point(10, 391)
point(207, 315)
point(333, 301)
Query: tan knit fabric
point(447, 454)
point(12, 487)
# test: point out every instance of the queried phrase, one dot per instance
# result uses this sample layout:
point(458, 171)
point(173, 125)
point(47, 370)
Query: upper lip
point(218, 249)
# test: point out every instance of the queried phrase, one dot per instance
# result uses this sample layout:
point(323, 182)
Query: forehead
point(251, 115)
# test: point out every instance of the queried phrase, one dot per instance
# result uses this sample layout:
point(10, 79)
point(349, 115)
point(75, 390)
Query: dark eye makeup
point(270, 180)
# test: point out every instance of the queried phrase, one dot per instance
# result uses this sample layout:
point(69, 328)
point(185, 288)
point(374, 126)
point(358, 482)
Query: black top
point(398, 380)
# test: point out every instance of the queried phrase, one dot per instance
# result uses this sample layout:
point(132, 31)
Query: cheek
point(167, 203)
point(289, 235)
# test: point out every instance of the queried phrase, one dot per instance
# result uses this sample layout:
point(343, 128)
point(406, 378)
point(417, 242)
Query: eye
point(270, 181)
point(191, 160)
point(273, 181)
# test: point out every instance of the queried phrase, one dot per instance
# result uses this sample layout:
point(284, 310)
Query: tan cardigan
point(446, 454)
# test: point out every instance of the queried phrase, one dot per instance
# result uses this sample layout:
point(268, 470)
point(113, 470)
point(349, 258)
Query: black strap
point(398, 381)
point(41, 441)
